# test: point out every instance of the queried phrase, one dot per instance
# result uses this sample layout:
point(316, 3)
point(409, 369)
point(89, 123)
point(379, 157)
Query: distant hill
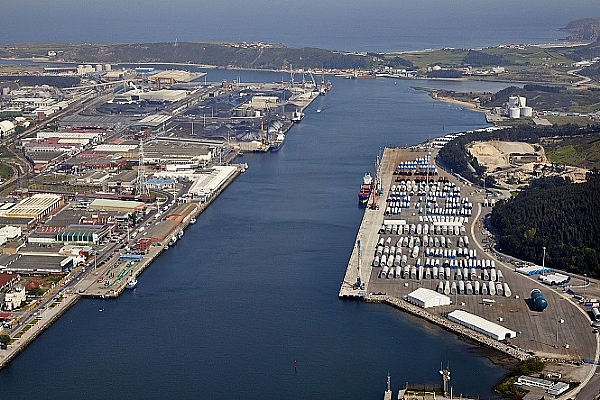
point(234, 55)
point(583, 30)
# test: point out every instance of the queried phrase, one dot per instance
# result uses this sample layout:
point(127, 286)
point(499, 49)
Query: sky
point(312, 23)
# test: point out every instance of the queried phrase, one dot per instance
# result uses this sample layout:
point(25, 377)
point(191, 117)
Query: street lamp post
point(558, 322)
point(544, 258)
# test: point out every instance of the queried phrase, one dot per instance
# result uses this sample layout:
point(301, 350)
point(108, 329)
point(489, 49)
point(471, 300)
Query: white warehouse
point(481, 325)
point(427, 298)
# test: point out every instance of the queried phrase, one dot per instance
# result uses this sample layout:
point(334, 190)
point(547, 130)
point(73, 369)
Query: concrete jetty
point(63, 296)
point(538, 334)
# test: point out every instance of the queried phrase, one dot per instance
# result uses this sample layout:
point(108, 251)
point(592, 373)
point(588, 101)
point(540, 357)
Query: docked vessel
point(297, 116)
point(131, 283)
point(366, 188)
point(278, 143)
point(193, 221)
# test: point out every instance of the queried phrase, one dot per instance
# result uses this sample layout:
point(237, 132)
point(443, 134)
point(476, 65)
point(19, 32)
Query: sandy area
point(496, 154)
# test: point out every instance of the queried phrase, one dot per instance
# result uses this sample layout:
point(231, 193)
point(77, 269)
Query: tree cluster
point(554, 213)
point(479, 58)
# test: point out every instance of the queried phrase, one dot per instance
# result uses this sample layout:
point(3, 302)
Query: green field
point(582, 151)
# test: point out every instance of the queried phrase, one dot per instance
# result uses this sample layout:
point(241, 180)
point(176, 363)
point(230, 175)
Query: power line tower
point(141, 186)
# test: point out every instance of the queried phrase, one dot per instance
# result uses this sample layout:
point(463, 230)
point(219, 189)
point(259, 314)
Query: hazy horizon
point(338, 25)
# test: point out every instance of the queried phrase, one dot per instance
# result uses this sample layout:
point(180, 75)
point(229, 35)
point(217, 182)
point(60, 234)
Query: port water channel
point(252, 288)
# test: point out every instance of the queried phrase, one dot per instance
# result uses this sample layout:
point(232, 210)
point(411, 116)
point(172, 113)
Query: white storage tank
point(513, 101)
point(491, 289)
point(376, 261)
point(526, 111)
point(461, 287)
point(476, 287)
point(522, 101)
point(391, 272)
point(514, 113)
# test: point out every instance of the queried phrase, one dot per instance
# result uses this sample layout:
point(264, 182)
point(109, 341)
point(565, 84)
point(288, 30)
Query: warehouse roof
point(428, 298)
point(481, 325)
point(99, 204)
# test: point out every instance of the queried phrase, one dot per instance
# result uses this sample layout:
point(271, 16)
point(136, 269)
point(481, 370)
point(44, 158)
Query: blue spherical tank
point(539, 302)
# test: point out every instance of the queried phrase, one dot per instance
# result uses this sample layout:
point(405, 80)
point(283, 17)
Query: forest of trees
point(554, 213)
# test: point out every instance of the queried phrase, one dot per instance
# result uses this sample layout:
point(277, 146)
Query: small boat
point(193, 221)
point(131, 283)
point(365, 189)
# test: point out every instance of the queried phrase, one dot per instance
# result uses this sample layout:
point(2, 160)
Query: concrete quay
point(86, 285)
point(445, 323)
point(368, 234)
point(561, 334)
point(110, 280)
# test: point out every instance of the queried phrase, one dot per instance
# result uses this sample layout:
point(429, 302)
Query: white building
point(14, 298)
point(481, 325)
point(7, 128)
point(427, 298)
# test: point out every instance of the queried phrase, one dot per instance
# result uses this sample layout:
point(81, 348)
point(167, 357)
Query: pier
point(60, 299)
point(538, 334)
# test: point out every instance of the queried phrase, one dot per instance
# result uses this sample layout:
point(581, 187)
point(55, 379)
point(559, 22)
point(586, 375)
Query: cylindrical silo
point(492, 289)
point(476, 287)
point(376, 261)
point(493, 275)
point(514, 113)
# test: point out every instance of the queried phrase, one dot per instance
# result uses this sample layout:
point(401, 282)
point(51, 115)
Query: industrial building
point(7, 128)
point(427, 298)
point(206, 184)
point(117, 205)
point(173, 76)
point(154, 122)
point(533, 270)
point(37, 206)
point(481, 325)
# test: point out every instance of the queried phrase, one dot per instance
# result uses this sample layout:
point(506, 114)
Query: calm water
point(352, 25)
point(252, 286)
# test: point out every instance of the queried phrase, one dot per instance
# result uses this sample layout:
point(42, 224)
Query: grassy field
point(581, 151)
